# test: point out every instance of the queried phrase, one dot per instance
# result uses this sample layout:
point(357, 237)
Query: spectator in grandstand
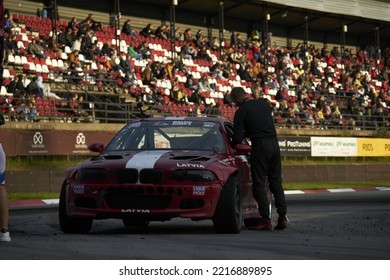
point(75, 107)
point(74, 61)
point(53, 45)
point(30, 110)
point(203, 53)
point(187, 35)
point(246, 73)
point(133, 53)
point(147, 31)
point(107, 49)
point(233, 39)
point(191, 83)
point(125, 62)
point(101, 77)
point(45, 91)
point(197, 98)
point(335, 117)
point(16, 87)
point(91, 23)
point(162, 32)
point(188, 51)
point(35, 48)
point(152, 96)
point(214, 44)
point(216, 71)
point(9, 24)
point(130, 78)
point(86, 42)
point(92, 53)
point(178, 66)
point(128, 29)
point(227, 99)
point(144, 50)
point(11, 45)
point(73, 24)
point(158, 70)
point(113, 63)
point(77, 44)
point(147, 74)
point(177, 94)
point(204, 84)
point(47, 11)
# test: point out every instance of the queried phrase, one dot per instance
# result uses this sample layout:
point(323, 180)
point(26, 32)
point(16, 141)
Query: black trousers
point(266, 166)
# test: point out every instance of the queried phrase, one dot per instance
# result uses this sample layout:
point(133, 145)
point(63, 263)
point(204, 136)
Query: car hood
point(158, 159)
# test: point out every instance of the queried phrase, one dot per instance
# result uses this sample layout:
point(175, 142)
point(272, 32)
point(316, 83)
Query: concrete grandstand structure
point(312, 25)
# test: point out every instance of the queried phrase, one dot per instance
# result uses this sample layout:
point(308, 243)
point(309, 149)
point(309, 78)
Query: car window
point(170, 135)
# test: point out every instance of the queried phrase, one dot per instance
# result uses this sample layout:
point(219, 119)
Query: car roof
point(195, 119)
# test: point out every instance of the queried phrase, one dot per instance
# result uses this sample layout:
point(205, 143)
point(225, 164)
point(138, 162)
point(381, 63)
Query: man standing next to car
point(253, 119)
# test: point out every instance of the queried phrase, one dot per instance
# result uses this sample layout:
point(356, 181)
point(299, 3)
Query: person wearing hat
point(253, 119)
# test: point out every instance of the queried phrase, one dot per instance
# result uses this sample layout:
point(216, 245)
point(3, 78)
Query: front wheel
point(71, 224)
point(228, 214)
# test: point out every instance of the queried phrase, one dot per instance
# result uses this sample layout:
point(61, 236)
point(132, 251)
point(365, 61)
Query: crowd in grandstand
point(304, 85)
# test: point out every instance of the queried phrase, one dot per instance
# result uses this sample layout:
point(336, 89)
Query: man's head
point(238, 95)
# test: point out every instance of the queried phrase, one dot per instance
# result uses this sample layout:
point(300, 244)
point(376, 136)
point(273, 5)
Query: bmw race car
point(157, 169)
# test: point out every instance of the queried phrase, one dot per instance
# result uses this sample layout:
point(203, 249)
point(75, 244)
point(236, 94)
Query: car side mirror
point(96, 147)
point(243, 149)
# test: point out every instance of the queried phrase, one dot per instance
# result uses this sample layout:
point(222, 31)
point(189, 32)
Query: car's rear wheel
point(228, 214)
point(135, 222)
point(71, 224)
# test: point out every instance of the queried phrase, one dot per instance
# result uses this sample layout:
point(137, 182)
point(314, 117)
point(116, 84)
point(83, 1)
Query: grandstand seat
point(6, 73)
point(38, 68)
point(4, 92)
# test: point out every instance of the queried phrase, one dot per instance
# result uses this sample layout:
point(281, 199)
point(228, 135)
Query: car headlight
point(193, 176)
point(89, 175)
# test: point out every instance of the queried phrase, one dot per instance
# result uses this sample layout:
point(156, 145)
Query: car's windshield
point(169, 134)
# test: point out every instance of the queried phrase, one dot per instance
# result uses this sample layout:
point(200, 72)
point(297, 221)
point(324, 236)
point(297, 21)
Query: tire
point(228, 214)
point(134, 222)
point(71, 224)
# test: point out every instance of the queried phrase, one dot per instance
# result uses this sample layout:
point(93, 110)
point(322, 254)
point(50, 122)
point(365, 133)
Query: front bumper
point(197, 201)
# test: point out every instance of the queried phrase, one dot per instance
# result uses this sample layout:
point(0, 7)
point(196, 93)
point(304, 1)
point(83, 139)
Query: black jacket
point(253, 120)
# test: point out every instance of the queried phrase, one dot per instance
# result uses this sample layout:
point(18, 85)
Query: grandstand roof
point(323, 16)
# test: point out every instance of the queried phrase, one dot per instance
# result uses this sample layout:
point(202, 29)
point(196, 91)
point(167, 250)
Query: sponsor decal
point(80, 141)
point(227, 161)
point(199, 190)
point(38, 140)
point(208, 124)
point(136, 124)
point(189, 165)
point(78, 189)
point(135, 211)
point(182, 123)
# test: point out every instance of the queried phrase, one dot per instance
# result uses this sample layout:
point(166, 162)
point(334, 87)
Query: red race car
point(157, 169)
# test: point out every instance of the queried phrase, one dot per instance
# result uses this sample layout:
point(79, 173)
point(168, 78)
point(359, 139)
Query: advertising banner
point(51, 142)
point(294, 146)
point(333, 147)
point(371, 147)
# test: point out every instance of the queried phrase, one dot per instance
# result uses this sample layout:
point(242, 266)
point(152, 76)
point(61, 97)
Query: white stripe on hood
point(145, 159)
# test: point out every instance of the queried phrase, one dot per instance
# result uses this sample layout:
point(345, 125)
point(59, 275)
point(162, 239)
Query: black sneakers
point(282, 223)
point(264, 224)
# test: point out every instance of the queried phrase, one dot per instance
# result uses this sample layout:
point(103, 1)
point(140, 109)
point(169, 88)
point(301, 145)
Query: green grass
point(62, 162)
